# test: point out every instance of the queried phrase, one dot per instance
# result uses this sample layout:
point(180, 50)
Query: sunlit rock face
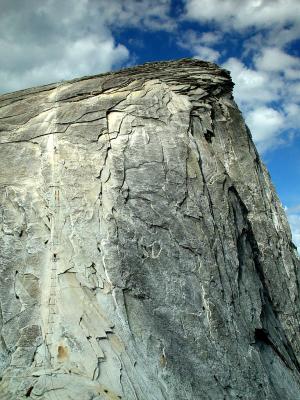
point(144, 252)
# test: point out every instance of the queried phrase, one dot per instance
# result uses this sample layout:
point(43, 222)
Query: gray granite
point(144, 252)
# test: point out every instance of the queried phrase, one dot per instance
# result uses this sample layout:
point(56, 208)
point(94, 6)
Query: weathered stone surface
point(144, 252)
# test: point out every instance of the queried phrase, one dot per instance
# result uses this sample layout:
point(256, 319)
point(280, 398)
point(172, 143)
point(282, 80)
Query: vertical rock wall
point(144, 254)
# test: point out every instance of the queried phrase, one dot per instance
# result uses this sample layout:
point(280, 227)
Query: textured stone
point(144, 252)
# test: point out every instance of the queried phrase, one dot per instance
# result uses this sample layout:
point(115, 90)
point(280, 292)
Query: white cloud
point(265, 124)
point(255, 91)
point(252, 87)
point(274, 59)
point(292, 111)
point(206, 53)
point(84, 56)
point(38, 47)
point(52, 40)
point(201, 44)
point(190, 38)
point(292, 74)
point(244, 14)
point(153, 15)
point(210, 37)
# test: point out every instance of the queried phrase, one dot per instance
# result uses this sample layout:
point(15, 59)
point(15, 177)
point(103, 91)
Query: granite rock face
point(144, 252)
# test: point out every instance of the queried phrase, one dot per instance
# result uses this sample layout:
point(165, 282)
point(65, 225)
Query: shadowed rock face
point(144, 252)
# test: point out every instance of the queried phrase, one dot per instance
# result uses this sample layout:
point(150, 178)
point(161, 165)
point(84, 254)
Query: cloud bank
point(53, 40)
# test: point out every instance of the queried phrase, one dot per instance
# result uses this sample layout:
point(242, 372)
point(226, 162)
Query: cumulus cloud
point(292, 112)
point(275, 59)
point(256, 91)
point(191, 38)
point(252, 87)
point(83, 56)
point(265, 124)
point(210, 38)
point(200, 45)
point(244, 14)
point(206, 53)
point(148, 14)
point(52, 40)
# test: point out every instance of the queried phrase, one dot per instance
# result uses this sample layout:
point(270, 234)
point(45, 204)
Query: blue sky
point(257, 40)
